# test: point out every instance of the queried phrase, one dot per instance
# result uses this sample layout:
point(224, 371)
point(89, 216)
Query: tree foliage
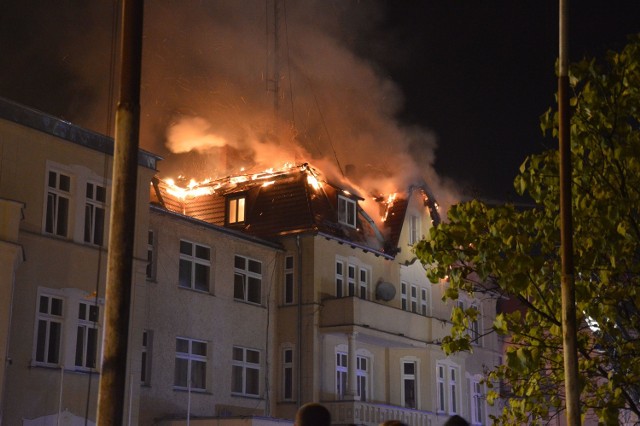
point(511, 253)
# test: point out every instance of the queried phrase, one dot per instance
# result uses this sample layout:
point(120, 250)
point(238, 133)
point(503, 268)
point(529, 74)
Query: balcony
point(369, 414)
point(386, 325)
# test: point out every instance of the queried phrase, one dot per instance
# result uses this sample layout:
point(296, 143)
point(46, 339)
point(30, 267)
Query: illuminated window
point(191, 364)
point(195, 265)
point(245, 372)
point(247, 283)
point(236, 206)
point(94, 213)
point(87, 335)
point(58, 203)
point(346, 211)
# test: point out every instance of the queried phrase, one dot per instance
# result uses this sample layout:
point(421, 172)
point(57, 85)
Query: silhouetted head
point(313, 414)
point(456, 421)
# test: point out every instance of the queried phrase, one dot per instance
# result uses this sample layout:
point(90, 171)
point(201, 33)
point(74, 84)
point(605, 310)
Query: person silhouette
point(313, 414)
point(456, 421)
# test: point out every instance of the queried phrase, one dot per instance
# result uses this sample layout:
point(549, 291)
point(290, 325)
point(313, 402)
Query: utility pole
point(569, 329)
point(121, 235)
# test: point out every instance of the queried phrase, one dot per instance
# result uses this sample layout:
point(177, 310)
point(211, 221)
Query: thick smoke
point(208, 101)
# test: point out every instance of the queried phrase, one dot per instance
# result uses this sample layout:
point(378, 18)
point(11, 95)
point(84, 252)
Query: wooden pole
point(569, 329)
point(113, 375)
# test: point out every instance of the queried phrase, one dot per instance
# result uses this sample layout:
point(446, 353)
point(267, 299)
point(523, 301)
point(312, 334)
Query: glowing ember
point(268, 183)
point(390, 200)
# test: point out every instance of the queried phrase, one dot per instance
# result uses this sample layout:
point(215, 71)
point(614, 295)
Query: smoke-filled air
point(246, 85)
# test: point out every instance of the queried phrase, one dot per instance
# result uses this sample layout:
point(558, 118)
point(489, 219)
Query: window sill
point(242, 395)
point(198, 391)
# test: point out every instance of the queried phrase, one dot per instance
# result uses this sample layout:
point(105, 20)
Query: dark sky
point(457, 84)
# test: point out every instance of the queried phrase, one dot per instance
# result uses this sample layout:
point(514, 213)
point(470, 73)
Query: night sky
point(459, 84)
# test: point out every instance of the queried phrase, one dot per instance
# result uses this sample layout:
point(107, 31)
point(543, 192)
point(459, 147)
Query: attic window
point(346, 211)
point(235, 209)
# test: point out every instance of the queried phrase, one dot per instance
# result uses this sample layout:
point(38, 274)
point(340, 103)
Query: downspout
point(299, 325)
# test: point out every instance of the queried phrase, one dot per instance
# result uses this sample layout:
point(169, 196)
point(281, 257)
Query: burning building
point(252, 294)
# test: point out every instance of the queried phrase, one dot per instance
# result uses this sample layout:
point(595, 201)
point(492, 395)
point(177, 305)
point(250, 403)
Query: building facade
point(252, 296)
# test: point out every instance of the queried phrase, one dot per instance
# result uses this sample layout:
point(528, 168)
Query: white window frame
point(95, 213)
point(88, 336)
point(477, 400)
point(351, 280)
point(342, 374)
point(363, 280)
point(192, 357)
point(53, 209)
point(411, 377)
point(414, 229)
point(195, 261)
point(362, 377)
point(45, 317)
point(414, 298)
point(242, 365)
point(404, 302)
point(236, 209)
point(424, 301)
point(287, 374)
point(246, 278)
point(347, 211)
point(289, 297)
point(448, 387)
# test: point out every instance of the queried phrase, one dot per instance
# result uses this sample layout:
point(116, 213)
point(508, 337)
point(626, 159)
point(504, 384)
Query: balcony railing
point(370, 414)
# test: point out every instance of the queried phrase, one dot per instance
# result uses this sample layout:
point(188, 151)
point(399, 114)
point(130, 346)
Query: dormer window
point(236, 209)
point(346, 211)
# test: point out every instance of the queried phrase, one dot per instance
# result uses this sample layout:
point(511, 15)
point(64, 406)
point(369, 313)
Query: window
point(477, 401)
point(447, 391)
point(414, 229)
point(339, 278)
point(87, 335)
point(424, 302)
point(409, 386)
point(364, 283)
point(414, 298)
point(49, 320)
point(403, 296)
point(287, 374)
point(150, 258)
point(441, 390)
point(346, 211)
point(341, 374)
point(236, 206)
point(245, 372)
point(351, 280)
point(191, 364)
point(94, 213)
point(474, 327)
point(194, 266)
point(145, 367)
point(288, 280)
point(247, 280)
point(362, 377)
point(58, 202)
